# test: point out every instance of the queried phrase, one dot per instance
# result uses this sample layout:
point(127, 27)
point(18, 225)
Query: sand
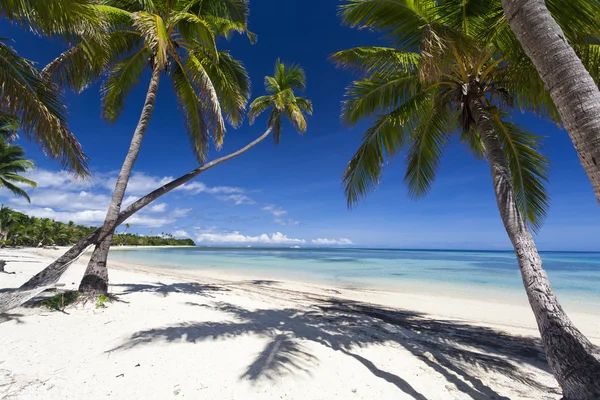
point(184, 334)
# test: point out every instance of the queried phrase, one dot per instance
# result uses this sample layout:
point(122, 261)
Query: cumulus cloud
point(180, 212)
point(180, 234)
point(238, 238)
point(158, 208)
point(72, 200)
point(331, 242)
point(276, 211)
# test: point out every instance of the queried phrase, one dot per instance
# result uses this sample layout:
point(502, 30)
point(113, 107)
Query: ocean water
point(574, 275)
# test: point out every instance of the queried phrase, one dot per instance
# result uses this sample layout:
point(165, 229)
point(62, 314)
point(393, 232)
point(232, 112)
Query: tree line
point(18, 229)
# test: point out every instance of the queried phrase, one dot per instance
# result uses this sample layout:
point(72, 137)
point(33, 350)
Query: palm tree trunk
point(570, 354)
point(52, 273)
point(570, 85)
point(95, 278)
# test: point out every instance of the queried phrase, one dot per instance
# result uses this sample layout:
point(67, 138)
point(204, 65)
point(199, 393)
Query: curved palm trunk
point(52, 273)
point(95, 278)
point(572, 88)
point(570, 354)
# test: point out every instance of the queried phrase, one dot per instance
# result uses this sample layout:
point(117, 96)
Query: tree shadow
point(453, 349)
point(6, 317)
point(266, 282)
point(164, 289)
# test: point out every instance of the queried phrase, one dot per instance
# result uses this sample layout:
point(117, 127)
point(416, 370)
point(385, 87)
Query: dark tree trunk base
point(91, 285)
point(2, 265)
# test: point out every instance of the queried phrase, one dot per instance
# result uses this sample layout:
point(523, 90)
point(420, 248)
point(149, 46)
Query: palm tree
point(571, 86)
point(282, 96)
point(282, 99)
point(8, 220)
point(12, 164)
point(176, 38)
point(458, 85)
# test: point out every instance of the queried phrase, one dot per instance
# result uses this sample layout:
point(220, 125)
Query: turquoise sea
point(574, 275)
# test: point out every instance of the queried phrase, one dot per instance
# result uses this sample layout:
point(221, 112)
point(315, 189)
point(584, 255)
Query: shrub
point(59, 301)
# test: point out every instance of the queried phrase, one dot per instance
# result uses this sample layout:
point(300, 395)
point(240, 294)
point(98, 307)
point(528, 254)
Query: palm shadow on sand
point(165, 289)
point(451, 348)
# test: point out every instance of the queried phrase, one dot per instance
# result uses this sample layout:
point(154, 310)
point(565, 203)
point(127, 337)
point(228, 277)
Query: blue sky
point(292, 194)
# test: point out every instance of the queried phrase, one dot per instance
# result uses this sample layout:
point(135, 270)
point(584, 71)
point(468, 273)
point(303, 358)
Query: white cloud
point(199, 187)
point(238, 238)
point(150, 222)
point(57, 179)
point(180, 234)
point(180, 212)
point(91, 217)
point(238, 199)
point(286, 222)
point(331, 242)
point(158, 208)
point(276, 211)
point(66, 200)
point(129, 200)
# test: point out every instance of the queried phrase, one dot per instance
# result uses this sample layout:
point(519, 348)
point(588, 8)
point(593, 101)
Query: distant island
point(18, 229)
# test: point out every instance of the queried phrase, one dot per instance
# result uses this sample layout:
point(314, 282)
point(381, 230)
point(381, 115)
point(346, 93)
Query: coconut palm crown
point(282, 99)
point(177, 37)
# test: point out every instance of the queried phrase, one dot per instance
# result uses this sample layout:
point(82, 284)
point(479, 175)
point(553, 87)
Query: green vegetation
point(60, 301)
point(101, 301)
point(12, 164)
point(23, 230)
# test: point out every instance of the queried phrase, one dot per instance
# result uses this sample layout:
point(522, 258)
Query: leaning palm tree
point(12, 165)
point(282, 101)
point(177, 39)
point(571, 86)
point(444, 81)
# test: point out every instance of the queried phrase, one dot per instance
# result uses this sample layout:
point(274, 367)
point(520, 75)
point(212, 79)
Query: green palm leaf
point(193, 111)
point(122, 78)
point(529, 170)
point(35, 100)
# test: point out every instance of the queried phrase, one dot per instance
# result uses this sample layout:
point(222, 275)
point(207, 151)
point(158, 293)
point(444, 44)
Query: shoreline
point(226, 336)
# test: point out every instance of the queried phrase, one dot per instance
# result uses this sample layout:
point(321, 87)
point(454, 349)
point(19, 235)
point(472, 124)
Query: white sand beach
point(187, 334)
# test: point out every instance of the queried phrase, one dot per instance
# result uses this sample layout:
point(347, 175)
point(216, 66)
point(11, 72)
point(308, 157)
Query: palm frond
point(232, 84)
point(258, 106)
point(529, 170)
point(198, 31)
point(69, 18)
point(85, 62)
point(384, 139)
point(429, 140)
point(275, 123)
point(15, 189)
point(122, 77)
point(370, 60)
point(305, 105)
point(208, 94)
point(400, 20)
point(153, 29)
point(193, 112)
point(36, 101)
point(369, 95)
